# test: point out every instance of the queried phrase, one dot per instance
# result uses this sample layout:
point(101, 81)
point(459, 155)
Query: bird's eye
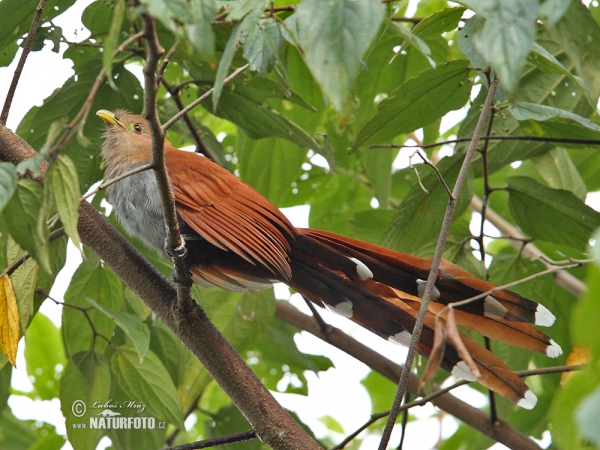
point(137, 128)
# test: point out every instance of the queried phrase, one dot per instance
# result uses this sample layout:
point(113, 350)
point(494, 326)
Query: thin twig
point(201, 147)
point(435, 169)
point(118, 178)
point(166, 61)
point(566, 280)
point(492, 138)
point(416, 332)
point(214, 442)
point(19, 69)
point(515, 283)
point(203, 97)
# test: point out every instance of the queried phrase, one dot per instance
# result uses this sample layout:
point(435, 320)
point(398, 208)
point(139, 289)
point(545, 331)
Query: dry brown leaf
point(9, 320)
point(453, 336)
point(437, 353)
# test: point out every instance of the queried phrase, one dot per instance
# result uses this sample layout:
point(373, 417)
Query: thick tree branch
point(499, 431)
point(270, 421)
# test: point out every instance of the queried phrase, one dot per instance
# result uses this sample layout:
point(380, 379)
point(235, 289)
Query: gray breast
point(137, 205)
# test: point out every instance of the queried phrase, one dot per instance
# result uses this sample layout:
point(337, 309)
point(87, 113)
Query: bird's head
point(127, 141)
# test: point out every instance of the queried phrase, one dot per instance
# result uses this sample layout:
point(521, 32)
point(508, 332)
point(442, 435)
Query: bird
point(237, 240)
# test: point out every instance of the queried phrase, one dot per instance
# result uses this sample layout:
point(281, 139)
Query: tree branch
point(499, 431)
point(272, 423)
point(26, 49)
point(563, 278)
point(203, 97)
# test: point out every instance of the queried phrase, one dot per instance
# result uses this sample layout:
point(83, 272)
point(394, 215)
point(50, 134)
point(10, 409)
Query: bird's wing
point(228, 213)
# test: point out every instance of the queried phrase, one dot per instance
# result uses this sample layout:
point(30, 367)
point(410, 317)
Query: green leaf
point(334, 36)
point(229, 420)
point(380, 390)
point(331, 424)
point(551, 11)
point(241, 318)
point(112, 40)
point(506, 36)
point(530, 111)
point(62, 183)
point(546, 62)
point(258, 120)
point(86, 380)
point(277, 357)
point(24, 281)
point(131, 324)
point(418, 102)
point(261, 45)
point(439, 22)
point(370, 225)
point(44, 352)
point(558, 170)
point(8, 183)
point(270, 165)
point(553, 215)
point(578, 32)
point(26, 220)
point(587, 414)
point(148, 382)
point(224, 65)
point(91, 280)
point(413, 40)
point(200, 30)
point(378, 164)
point(418, 219)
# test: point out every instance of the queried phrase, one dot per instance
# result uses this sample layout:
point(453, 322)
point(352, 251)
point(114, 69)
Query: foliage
point(327, 82)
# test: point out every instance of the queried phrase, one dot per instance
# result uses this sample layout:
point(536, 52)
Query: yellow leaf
point(9, 320)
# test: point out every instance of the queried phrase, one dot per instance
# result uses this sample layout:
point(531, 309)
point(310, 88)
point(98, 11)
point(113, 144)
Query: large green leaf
point(553, 215)
point(506, 37)
point(378, 165)
point(148, 382)
point(62, 183)
point(8, 183)
point(25, 217)
point(44, 353)
point(418, 219)
point(334, 36)
point(91, 280)
point(86, 380)
point(258, 120)
point(558, 170)
point(439, 22)
point(131, 324)
point(270, 165)
point(578, 32)
point(25, 280)
point(418, 102)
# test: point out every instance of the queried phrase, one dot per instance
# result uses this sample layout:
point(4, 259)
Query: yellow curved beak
point(108, 117)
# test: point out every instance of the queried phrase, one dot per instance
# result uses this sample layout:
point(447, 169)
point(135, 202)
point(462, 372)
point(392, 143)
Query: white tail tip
point(529, 401)
point(543, 316)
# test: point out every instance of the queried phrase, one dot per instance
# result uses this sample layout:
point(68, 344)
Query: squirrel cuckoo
point(237, 240)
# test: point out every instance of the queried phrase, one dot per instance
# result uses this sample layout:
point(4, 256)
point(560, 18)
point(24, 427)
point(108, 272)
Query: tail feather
point(402, 271)
point(379, 289)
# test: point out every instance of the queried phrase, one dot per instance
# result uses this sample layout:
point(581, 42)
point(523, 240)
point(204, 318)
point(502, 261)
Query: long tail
point(381, 290)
